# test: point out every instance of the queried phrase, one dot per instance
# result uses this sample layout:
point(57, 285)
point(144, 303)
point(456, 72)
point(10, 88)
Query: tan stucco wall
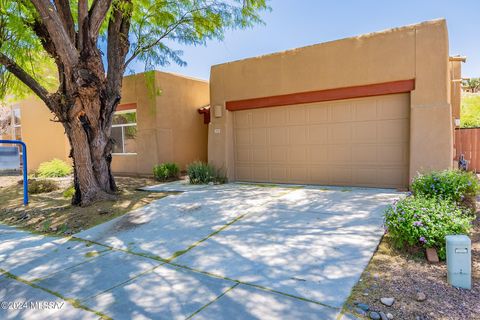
point(417, 52)
point(44, 137)
point(169, 127)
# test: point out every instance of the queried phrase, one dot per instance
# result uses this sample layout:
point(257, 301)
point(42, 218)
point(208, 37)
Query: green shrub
point(166, 171)
point(424, 222)
point(69, 192)
point(204, 173)
point(41, 186)
point(459, 186)
point(54, 168)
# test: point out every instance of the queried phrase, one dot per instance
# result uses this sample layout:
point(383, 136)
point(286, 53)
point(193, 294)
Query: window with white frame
point(124, 132)
point(16, 124)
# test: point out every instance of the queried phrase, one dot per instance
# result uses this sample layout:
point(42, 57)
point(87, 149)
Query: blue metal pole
point(25, 168)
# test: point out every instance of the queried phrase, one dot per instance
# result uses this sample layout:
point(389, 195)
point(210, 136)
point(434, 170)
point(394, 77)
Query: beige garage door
point(356, 142)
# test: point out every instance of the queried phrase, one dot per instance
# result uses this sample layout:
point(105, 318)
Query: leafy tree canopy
point(154, 27)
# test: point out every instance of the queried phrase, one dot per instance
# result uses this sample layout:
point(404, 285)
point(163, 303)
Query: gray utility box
point(459, 261)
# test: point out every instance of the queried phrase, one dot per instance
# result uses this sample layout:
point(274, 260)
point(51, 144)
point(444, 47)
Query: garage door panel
point(341, 175)
point(364, 132)
point(340, 133)
point(297, 135)
point(242, 120)
point(317, 134)
point(276, 116)
point(259, 137)
point(358, 142)
point(365, 177)
point(393, 154)
point(260, 155)
point(243, 154)
point(393, 130)
point(279, 154)
point(341, 112)
point(318, 154)
point(340, 154)
point(316, 113)
point(364, 154)
point(393, 107)
point(298, 174)
point(261, 173)
point(260, 119)
point(296, 116)
point(298, 154)
point(242, 137)
point(278, 174)
point(244, 173)
point(278, 136)
point(365, 110)
point(319, 174)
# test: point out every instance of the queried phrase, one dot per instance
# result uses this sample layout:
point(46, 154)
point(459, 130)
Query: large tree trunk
point(87, 124)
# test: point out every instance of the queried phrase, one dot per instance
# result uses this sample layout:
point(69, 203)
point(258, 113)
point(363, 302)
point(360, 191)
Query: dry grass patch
point(52, 212)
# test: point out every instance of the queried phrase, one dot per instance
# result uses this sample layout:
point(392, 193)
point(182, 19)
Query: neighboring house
point(148, 128)
point(372, 110)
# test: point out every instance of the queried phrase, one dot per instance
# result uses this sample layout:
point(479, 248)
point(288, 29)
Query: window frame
point(122, 126)
point(15, 125)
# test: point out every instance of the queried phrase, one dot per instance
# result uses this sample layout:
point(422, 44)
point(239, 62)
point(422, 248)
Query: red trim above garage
point(126, 106)
point(369, 90)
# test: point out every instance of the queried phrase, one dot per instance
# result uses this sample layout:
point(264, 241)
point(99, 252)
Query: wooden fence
point(467, 142)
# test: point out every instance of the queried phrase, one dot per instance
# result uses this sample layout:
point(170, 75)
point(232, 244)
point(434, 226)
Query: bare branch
point(97, 15)
point(59, 36)
point(65, 12)
point(23, 76)
point(82, 23)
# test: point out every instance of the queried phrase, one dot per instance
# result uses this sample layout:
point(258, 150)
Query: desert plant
point(69, 192)
point(458, 186)
point(166, 171)
point(424, 222)
point(203, 173)
point(41, 186)
point(54, 168)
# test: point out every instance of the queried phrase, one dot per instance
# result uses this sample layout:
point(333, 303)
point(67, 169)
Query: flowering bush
point(458, 186)
point(424, 222)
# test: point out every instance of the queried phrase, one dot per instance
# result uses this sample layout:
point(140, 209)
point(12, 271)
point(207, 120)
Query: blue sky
point(297, 23)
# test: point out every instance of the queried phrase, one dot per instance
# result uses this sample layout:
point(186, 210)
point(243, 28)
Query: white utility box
point(459, 261)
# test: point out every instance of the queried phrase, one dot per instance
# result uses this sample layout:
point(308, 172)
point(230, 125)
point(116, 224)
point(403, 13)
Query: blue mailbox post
point(8, 154)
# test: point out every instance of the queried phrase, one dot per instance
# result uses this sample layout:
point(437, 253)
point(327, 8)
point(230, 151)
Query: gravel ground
point(394, 274)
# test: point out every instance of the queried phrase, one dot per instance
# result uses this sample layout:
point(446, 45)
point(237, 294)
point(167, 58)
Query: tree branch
point(98, 12)
point(117, 49)
point(82, 23)
point(28, 80)
point(63, 8)
point(59, 36)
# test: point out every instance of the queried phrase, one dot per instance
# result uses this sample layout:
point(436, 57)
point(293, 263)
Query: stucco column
point(431, 143)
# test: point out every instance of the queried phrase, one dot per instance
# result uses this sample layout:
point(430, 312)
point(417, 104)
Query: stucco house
point(156, 121)
point(371, 110)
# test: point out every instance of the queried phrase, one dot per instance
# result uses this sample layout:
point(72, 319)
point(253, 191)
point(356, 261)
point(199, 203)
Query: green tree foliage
point(155, 27)
point(470, 111)
point(473, 84)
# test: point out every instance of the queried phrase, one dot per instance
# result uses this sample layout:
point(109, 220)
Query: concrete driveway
point(235, 251)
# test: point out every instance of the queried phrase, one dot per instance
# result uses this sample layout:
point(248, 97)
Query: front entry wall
point(358, 142)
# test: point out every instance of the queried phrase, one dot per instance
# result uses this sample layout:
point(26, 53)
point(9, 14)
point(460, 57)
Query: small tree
point(91, 43)
point(473, 84)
